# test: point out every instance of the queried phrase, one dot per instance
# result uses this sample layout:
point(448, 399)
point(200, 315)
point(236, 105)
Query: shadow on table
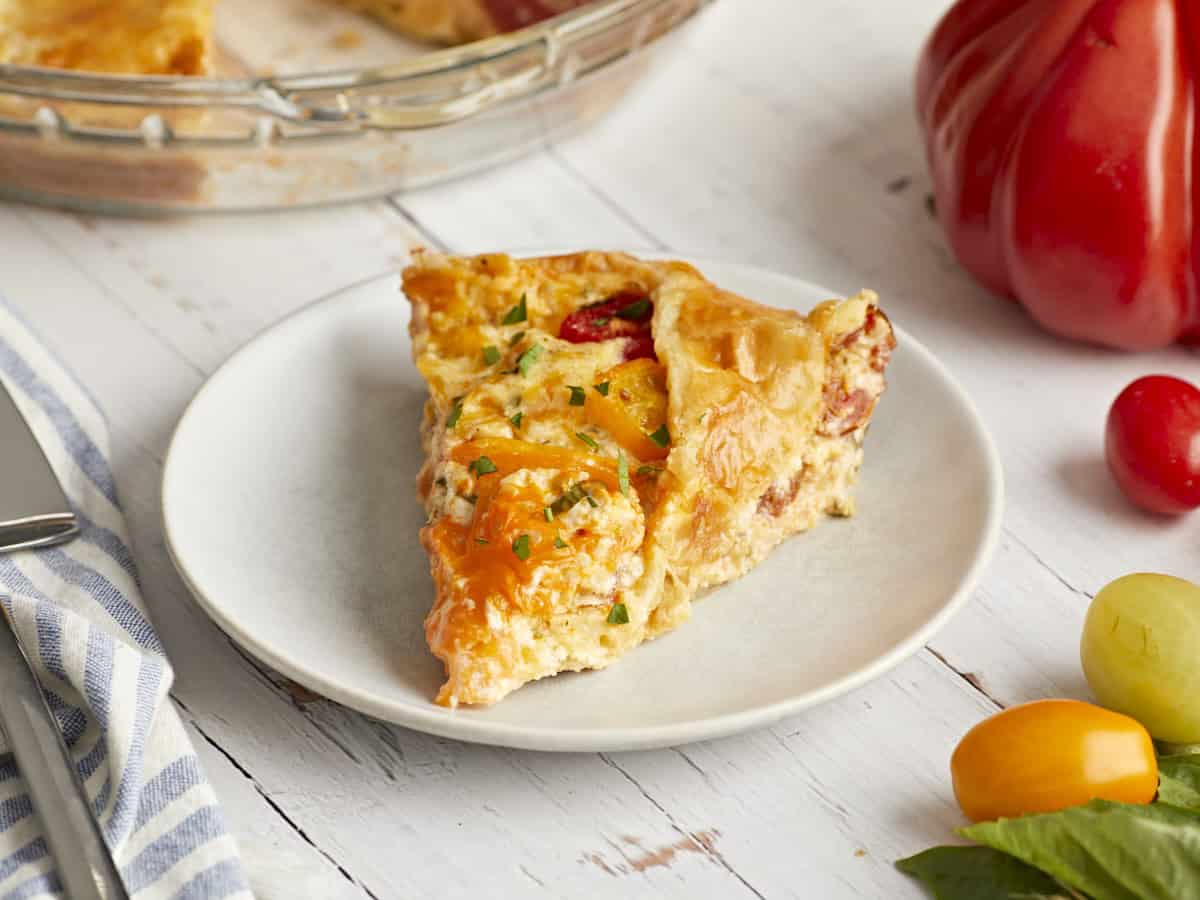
point(1088, 480)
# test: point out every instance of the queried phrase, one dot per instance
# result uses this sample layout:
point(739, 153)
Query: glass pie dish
point(313, 105)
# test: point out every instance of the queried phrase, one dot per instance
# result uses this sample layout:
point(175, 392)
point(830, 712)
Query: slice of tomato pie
point(608, 437)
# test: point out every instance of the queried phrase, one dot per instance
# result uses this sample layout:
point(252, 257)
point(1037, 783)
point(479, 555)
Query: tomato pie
point(144, 37)
point(174, 37)
point(606, 438)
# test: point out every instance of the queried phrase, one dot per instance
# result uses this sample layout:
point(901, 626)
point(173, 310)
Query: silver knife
point(34, 512)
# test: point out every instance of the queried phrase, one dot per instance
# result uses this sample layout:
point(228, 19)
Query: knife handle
point(84, 864)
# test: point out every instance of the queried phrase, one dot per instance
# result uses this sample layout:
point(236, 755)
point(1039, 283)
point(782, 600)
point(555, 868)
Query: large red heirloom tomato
point(1061, 137)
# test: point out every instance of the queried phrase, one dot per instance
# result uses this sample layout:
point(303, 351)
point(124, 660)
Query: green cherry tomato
point(1141, 653)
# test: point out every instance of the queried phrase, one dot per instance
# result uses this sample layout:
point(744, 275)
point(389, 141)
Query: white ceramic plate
point(289, 506)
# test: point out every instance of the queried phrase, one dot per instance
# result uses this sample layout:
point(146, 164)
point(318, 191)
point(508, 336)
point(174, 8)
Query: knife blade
point(85, 866)
point(34, 512)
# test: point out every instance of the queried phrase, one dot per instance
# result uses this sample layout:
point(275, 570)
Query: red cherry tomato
point(1153, 444)
point(627, 315)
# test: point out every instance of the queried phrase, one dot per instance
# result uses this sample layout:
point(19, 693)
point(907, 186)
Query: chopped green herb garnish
point(591, 500)
point(587, 439)
point(482, 466)
point(570, 497)
point(623, 472)
point(526, 360)
point(455, 414)
point(516, 420)
point(635, 310)
point(560, 543)
point(516, 339)
point(521, 547)
point(662, 437)
point(491, 355)
point(602, 321)
point(578, 397)
point(548, 513)
point(648, 470)
point(518, 313)
point(601, 388)
point(618, 615)
point(480, 541)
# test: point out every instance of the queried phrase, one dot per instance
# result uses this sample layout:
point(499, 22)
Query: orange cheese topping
point(510, 455)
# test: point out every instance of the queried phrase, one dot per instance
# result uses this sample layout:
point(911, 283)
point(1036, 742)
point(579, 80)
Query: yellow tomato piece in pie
point(606, 438)
point(137, 37)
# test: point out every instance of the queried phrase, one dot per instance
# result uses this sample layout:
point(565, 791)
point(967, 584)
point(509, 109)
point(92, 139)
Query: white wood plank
point(208, 284)
point(534, 204)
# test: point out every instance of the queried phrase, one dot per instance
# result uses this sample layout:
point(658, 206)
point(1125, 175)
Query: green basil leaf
point(560, 543)
point(979, 873)
point(520, 547)
point(638, 309)
point(587, 439)
point(491, 355)
point(455, 414)
point(574, 494)
point(482, 466)
point(578, 397)
point(601, 388)
point(1106, 850)
point(1179, 781)
point(526, 360)
point(618, 615)
point(661, 436)
point(518, 313)
point(516, 420)
point(516, 339)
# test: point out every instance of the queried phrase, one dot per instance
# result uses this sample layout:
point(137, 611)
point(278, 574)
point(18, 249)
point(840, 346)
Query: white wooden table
point(782, 134)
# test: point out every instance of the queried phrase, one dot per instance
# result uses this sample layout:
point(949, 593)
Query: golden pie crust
point(137, 37)
point(460, 21)
point(766, 410)
point(174, 37)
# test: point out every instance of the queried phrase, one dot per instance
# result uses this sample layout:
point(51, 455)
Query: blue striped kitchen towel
point(78, 611)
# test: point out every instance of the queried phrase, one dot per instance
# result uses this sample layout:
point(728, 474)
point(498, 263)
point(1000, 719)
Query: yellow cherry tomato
point(1051, 754)
point(633, 407)
point(1141, 653)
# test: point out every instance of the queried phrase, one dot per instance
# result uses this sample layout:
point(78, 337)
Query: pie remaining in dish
point(605, 438)
point(145, 37)
point(459, 21)
point(174, 37)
